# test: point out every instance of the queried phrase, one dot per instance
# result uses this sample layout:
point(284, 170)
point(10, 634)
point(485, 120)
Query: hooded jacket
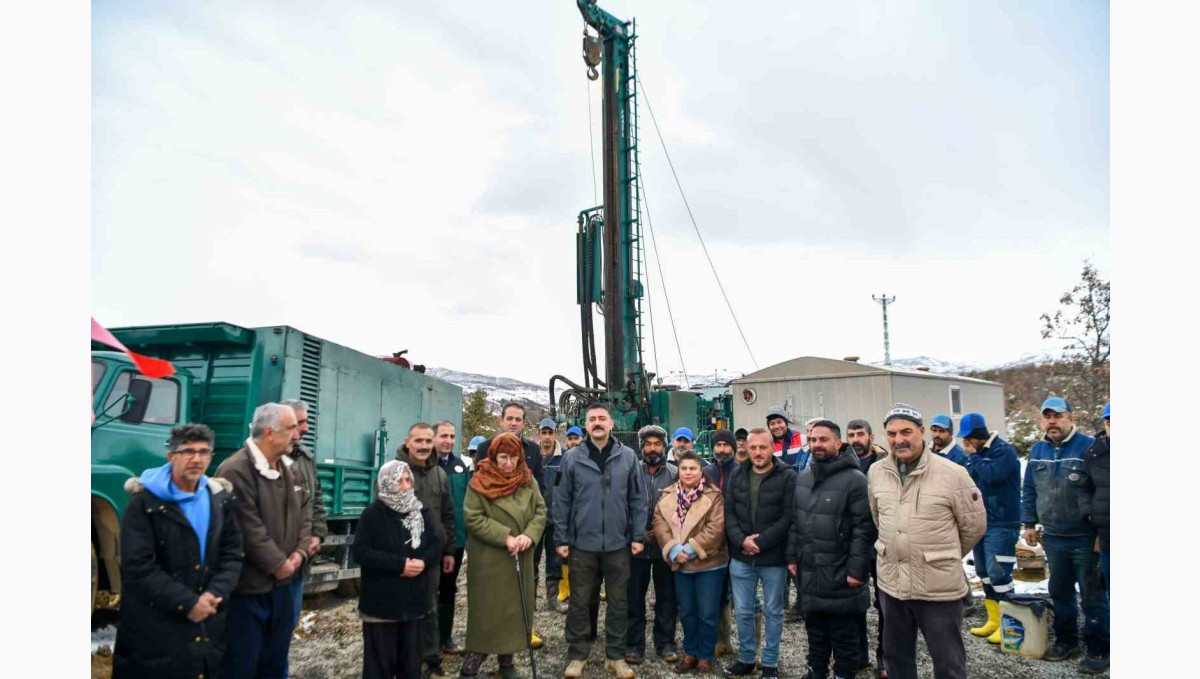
point(996, 470)
point(163, 576)
point(600, 508)
point(926, 525)
point(1049, 495)
point(1094, 488)
point(833, 535)
point(433, 490)
point(275, 516)
point(773, 519)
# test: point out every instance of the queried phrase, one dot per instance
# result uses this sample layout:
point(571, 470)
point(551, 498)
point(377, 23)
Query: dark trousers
point(447, 590)
point(832, 634)
point(587, 570)
point(1073, 560)
point(392, 650)
point(641, 573)
point(864, 646)
point(258, 631)
point(940, 622)
point(429, 638)
point(699, 597)
point(995, 557)
point(553, 560)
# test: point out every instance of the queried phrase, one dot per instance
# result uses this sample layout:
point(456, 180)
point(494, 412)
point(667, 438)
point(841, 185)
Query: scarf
point(492, 482)
point(684, 499)
point(404, 503)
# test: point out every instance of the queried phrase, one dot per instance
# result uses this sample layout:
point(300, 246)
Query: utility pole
point(884, 301)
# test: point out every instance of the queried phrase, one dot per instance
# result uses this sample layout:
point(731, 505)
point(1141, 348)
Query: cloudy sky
point(407, 175)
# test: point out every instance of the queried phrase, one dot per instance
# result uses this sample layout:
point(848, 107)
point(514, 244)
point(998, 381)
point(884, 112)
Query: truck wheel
point(95, 577)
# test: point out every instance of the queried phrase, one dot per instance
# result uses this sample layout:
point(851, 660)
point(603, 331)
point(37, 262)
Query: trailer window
point(98, 370)
point(955, 402)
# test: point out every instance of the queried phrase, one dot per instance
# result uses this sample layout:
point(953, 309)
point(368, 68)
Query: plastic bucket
point(1024, 626)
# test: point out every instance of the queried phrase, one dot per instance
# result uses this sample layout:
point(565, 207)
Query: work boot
point(535, 642)
point(739, 669)
point(1059, 652)
point(564, 585)
point(993, 620)
point(770, 672)
point(635, 657)
point(686, 664)
point(1093, 664)
point(619, 669)
point(668, 654)
point(552, 601)
point(574, 669)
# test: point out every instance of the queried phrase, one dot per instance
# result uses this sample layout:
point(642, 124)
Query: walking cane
point(525, 615)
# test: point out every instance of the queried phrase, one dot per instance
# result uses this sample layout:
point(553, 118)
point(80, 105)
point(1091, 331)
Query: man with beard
point(741, 455)
point(649, 566)
point(512, 420)
point(459, 475)
point(432, 488)
point(758, 515)
point(719, 473)
point(995, 469)
point(683, 442)
point(1050, 497)
point(787, 444)
point(600, 512)
point(830, 550)
point(929, 515)
point(941, 431)
point(551, 451)
point(862, 442)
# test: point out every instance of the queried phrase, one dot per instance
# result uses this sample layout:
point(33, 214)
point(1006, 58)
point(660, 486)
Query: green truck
point(360, 408)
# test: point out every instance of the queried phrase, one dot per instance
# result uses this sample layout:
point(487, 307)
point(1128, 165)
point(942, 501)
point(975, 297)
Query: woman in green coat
point(505, 517)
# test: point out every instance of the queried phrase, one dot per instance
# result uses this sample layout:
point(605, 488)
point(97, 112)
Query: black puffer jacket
point(833, 535)
point(163, 579)
point(381, 547)
point(1093, 488)
point(771, 522)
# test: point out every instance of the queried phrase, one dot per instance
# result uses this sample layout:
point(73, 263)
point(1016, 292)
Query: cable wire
point(642, 89)
point(592, 144)
point(663, 281)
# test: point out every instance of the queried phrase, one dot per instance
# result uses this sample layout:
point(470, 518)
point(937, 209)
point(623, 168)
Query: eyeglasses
point(193, 452)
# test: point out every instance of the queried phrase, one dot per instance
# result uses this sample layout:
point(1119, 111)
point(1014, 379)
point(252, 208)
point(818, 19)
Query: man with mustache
point(740, 454)
point(1050, 497)
point(649, 566)
point(929, 515)
point(941, 431)
point(862, 442)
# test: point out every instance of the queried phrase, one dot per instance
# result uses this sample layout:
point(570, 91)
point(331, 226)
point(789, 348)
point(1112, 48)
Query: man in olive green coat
point(433, 490)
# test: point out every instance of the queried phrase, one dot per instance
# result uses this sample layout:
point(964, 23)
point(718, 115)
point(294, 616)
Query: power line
point(663, 281)
point(695, 226)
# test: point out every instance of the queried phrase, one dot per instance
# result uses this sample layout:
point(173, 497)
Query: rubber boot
point(992, 626)
point(564, 585)
point(553, 603)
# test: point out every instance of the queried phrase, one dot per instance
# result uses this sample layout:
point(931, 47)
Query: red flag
point(150, 367)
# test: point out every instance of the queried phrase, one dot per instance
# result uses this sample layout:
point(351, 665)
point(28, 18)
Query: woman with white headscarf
point(395, 545)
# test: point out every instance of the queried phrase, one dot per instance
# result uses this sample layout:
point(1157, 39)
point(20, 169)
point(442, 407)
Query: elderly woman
point(689, 523)
point(395, 545)
point(505, 517)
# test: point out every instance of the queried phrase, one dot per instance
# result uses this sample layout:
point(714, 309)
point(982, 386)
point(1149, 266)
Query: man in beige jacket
point(929, 514)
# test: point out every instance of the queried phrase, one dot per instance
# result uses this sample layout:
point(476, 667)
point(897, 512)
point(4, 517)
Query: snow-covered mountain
point(935, 365)
point(716, 378)
point(498, 389)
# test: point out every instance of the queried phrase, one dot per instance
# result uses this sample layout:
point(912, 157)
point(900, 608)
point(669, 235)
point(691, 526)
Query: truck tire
point(95, 576)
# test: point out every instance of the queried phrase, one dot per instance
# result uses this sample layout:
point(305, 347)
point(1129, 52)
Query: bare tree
point(1082, 322)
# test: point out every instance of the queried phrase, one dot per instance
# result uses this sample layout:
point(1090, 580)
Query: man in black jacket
point(649, 566)
point(181, 554)
point(758, 515)
point(1094, 493)
point(831, 547)
point(724, 447)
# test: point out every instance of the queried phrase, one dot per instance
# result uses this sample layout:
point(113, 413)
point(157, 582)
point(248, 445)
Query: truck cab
point(133, 415)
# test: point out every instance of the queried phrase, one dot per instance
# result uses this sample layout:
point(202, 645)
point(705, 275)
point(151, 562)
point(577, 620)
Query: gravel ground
point(328, 645)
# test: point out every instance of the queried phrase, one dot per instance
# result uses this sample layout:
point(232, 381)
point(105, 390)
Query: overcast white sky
point(408, 176)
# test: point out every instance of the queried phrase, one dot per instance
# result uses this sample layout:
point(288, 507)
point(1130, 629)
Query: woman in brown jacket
point(689, 524)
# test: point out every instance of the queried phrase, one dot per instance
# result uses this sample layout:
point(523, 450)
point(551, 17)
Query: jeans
point(641, 573)
point(1072, 560)
point(587, 570)
point(258, 632)
point(995, 557)
point(745, 579)
point(836, 635)
point(298, 598)
point(699, 597)
point(940, 622)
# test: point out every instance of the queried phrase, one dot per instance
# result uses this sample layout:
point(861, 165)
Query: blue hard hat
point(574, 431)
point(474, 444)
point(682, 433)
point(970, 422)
point(1056, 403)
point(942, 421)
point(1106, 410)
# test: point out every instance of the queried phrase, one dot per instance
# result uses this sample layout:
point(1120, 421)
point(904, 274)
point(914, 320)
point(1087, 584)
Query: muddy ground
point(328, 645)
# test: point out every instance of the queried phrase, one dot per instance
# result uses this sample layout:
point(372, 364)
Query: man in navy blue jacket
point(1049, 497)
point(941, 430)
point(993, 465)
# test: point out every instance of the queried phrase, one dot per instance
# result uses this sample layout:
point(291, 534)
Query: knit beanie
point(903, 411)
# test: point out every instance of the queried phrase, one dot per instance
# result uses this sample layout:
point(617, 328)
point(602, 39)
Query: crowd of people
point(213, 567)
